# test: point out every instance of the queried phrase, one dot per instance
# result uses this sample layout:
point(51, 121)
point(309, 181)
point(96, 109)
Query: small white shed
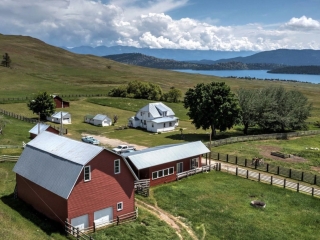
point(98, 120)
point(56, 117)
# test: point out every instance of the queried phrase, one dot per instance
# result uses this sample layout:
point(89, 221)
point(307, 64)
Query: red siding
point(59, 102)
point(44, 201)
point(104, 190)
point(169, 178)
point(49, 129)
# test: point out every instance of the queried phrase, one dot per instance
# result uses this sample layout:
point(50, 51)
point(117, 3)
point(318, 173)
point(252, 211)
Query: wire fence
point(273, 169)
point(288, 135)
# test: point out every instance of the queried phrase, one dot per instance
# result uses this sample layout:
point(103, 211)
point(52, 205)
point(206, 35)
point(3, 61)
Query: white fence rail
point(8, 158)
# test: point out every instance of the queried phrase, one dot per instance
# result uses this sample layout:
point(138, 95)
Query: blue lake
point(261, 74)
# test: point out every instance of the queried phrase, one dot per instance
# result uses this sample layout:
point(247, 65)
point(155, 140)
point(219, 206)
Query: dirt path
point(171, 220)
point(113, 142)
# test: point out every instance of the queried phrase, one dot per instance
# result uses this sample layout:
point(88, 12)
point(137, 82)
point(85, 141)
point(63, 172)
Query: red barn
point(59, 102)
point(40, 128)
point(162, 164)
point(67, 179)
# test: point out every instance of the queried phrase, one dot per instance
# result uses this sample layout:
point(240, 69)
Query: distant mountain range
point(153, 62)
point(175, 54)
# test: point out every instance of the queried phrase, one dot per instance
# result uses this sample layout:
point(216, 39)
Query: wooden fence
point(282, 182)
point(195, 171)
point(27, 98)
point(281, 171)
point(142, 187)
point(83, 234)
point(29, 120)
point(263, 137)
point(11, 146)
point(8, 158)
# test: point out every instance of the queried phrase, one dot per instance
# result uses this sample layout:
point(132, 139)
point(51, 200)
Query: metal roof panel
point(35, 129)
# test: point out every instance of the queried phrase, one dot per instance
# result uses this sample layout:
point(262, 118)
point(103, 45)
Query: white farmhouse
point(98, 120)
point(155, 117)
point(56, 117)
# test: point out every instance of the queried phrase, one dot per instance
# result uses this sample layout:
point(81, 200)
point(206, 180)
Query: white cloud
point(302, 24)
point(142, 23)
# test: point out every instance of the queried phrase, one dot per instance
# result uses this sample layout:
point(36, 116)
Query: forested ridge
point(314, 70)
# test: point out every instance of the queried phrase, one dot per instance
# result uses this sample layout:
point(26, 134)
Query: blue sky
point(228, 25)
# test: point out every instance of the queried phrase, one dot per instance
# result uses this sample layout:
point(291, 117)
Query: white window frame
point(194, 162)
point(180, 167)
point(115, 167)
point(172, 170)
point(84, 173)
point(153, 173)
point(121, 206)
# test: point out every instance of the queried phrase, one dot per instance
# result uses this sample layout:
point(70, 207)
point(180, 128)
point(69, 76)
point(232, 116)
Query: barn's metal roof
point(167, 153)
point(58, 114)
point(35, 129)
point(55, 162)
point(164, 119)
point(100, 117)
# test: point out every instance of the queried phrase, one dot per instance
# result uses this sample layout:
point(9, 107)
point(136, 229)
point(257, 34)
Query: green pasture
point(217, 206)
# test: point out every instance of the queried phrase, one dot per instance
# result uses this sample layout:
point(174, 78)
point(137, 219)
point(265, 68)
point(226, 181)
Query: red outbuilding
point(67, 179)
point(59, 102)
point(40, 127)
point(162, 164)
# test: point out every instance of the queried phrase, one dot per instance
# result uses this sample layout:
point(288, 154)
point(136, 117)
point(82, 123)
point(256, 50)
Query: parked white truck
point(122, 148)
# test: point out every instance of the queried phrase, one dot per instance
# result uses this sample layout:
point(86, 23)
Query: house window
point(152, 125)
point(140, 113)
point(117, 166)
point(164, 114)
point(119, 206)
point(87, 173)
point(145, 122)
point(170, 124)
point(164, 125)
point(148, 114)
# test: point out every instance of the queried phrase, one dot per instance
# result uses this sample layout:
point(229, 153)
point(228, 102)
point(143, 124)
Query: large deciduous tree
point(212, 106)
point(43, 104)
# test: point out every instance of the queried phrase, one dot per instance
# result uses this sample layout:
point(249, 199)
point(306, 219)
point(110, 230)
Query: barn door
point(180, 167)
point(81, 222)
point(103, 216)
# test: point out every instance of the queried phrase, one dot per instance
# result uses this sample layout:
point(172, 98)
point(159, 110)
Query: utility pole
point(38, 123)
point(210, 151)
point(61, 126)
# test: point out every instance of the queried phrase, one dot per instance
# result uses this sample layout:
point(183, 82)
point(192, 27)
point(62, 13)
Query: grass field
point(217, 206)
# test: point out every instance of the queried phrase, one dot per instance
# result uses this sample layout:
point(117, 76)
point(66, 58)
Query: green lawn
point(217, 206)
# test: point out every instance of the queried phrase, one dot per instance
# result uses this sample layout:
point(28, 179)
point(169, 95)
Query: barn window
point(117, 166)
point(119, 206)
point(87, 173)
point(160, 173)
point(154, 175)
point(166, 172)
point(194, 163)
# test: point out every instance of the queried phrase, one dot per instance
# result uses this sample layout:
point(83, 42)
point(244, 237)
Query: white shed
point(56, 117)
point(101, 120)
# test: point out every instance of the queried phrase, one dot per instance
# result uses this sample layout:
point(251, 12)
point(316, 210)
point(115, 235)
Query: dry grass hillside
point(37, 66)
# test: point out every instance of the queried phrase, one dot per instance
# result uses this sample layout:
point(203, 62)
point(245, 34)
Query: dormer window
point(140, 113)
point(164, 114)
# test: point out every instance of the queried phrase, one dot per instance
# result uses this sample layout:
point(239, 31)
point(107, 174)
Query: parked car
point(121, 148)
point(90, 139)
point(128, 151)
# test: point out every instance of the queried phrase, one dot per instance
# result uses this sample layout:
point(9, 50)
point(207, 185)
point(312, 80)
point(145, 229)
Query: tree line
point(145, 90)
point(213, 106)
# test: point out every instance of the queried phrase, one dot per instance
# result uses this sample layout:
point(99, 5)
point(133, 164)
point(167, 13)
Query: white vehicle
point(122, 148)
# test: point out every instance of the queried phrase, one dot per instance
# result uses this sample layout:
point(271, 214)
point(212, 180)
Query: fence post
point(247, 173)
point(278, 170)
point(78, 234)
point(271, 180)
point(218, 156)
point(227, 158)
point(219, 166)
point(236, 160)
point(236, 171)
point(259, 177)
point(290, 173)
point(94, 226)
point(315, 179)
point(284, 183)
point(302, 176)
point(118, 220)
point(267, 167)
point(298, 184)
point(312, 192)
point(245, 162)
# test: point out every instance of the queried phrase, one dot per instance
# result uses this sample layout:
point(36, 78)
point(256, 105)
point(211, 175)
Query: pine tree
point(6, 61)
